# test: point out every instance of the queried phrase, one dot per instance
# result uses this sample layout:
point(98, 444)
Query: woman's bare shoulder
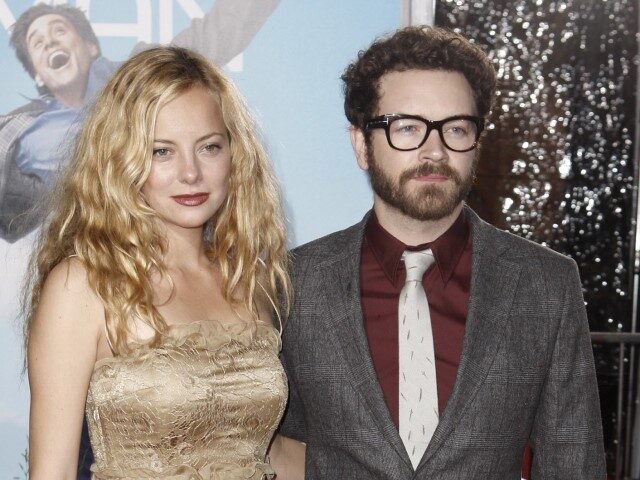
point(70, 274)
point(68, 297)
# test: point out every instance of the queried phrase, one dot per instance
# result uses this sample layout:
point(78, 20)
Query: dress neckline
point(205, 334)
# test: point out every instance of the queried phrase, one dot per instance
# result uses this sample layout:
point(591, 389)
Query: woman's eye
point(160, 152)
point(211, 148)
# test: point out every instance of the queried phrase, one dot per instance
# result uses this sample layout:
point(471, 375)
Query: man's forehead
point(437, 90)
point(47, 20)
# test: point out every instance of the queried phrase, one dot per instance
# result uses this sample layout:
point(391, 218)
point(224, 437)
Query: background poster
point(289, 75)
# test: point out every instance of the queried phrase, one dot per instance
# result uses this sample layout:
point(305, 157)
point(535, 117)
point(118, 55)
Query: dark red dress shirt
point(446, 284)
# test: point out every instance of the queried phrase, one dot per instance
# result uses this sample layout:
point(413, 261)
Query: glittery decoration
point(557, 159)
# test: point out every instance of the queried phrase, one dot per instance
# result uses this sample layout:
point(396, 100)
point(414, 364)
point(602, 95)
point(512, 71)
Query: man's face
point(428, 183)
point(60, 56)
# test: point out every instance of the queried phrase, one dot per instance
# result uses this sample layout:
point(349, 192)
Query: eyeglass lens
point(408, 133)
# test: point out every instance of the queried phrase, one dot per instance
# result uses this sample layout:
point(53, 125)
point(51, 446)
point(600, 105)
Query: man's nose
point(433, 148)
point(50, 41)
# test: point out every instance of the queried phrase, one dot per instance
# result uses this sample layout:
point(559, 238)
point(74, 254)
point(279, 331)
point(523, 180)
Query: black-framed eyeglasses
point(409, 132)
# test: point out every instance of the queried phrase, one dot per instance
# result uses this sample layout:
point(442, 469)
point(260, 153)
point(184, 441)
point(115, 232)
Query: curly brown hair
point(415, 48)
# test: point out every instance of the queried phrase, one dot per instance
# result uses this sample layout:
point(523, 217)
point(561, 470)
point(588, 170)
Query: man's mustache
point(429, 168)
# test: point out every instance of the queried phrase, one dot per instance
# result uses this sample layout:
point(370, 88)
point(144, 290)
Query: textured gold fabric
point(202, 405)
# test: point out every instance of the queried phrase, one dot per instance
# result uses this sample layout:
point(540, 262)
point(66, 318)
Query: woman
point(154, 287)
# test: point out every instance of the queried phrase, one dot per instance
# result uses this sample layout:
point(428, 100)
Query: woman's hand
point(287, 458)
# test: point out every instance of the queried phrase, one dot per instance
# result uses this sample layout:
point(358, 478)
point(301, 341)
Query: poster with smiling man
point(285, 56)
point(58, 48)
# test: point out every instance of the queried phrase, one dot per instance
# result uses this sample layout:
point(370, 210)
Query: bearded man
point(423, 342)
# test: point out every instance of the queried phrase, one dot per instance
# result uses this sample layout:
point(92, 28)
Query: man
point(59, 49)
point(400, 374)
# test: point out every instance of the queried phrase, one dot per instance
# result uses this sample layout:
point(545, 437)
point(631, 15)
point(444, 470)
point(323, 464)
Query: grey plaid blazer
point(526, 372)
point(18, 192)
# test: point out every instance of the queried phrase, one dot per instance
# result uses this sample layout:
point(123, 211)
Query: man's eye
point(407, 129)
point(459, 131)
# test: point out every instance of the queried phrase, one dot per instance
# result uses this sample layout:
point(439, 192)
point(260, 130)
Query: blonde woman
point(155, 285)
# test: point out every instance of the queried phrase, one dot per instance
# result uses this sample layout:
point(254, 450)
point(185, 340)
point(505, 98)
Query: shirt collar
point(99, 72)
point(447, 248)
point(51, 102)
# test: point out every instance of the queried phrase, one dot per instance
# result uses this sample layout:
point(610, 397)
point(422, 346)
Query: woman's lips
point(192, 200)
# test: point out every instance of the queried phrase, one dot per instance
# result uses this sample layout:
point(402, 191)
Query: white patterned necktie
point(418, 392)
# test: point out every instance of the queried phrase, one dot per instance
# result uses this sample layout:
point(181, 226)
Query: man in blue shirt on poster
point(59, 49)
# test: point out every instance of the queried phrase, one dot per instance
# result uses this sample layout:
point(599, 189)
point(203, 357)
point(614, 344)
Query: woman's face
point(191, 163)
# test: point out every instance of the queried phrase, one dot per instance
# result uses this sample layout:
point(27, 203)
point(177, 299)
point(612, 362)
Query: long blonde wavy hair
point(100, 217)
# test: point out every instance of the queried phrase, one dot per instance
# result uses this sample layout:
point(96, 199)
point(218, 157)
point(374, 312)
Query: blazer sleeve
point(20, 212)
point(20, 193)
point(293, 422)
point(567, 430)
point(227, 29)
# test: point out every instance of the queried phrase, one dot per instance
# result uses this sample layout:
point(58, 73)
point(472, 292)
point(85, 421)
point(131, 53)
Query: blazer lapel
point(493, 282)
point(341, 276)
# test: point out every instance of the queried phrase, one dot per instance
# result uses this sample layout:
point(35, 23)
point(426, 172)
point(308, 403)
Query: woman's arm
point(286, 456)
point(62, 349)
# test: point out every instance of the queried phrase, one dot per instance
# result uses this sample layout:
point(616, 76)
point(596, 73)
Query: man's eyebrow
point(30, 36)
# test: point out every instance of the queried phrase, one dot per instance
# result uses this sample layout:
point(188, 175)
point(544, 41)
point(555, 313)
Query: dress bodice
point(203, 404)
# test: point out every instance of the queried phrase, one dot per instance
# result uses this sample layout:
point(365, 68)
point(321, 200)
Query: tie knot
point(416, 263)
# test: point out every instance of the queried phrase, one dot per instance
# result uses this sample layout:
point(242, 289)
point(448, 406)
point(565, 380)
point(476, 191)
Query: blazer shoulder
point(523, 251)
point(35, 107)
point(331, 245)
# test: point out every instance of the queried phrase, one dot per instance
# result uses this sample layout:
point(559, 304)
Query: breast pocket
point(502, 411)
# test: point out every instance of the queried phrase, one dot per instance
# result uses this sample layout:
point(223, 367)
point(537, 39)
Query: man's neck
point(73, 95)
point(409, 230)
point(70, 98)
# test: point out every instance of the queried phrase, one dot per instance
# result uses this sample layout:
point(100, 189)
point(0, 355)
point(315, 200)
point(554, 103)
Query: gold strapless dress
point(202, 405)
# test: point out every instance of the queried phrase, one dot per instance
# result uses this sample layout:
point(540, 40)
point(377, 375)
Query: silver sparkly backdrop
point(557, 163)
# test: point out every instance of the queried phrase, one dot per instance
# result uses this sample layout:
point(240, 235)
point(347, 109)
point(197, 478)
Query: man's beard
point(428, 202)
